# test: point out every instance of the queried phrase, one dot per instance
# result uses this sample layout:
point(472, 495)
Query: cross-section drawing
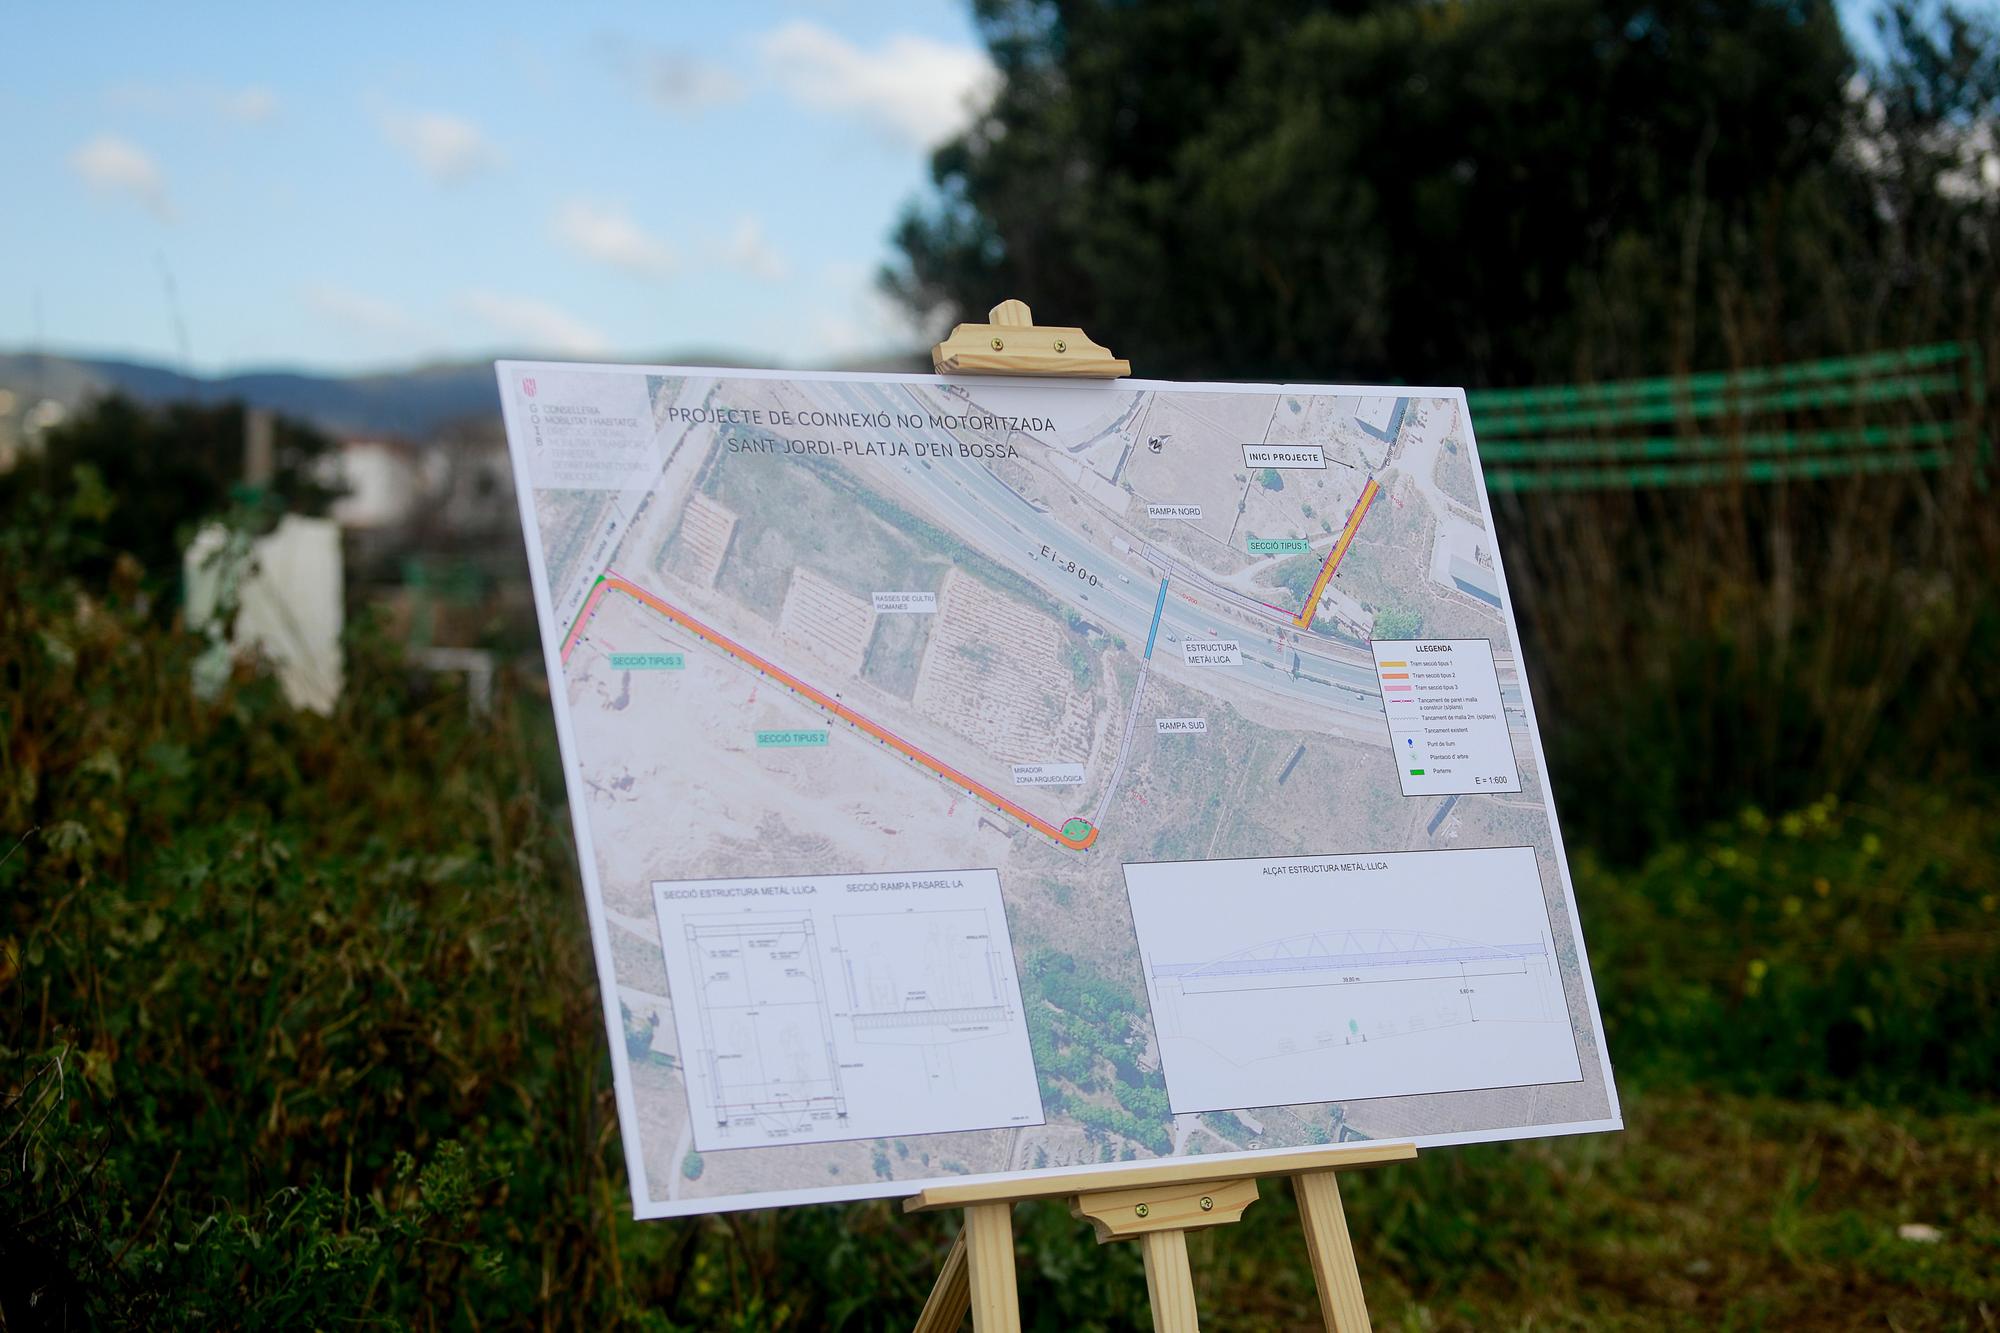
point(766, 1029)
point(931, 977)
point(846, 1007)
point(1465, 997)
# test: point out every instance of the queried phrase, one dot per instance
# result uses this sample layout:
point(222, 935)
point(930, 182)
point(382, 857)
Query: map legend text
point(1446, 722)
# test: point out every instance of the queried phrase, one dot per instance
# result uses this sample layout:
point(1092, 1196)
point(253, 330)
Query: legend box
point(1446, 720)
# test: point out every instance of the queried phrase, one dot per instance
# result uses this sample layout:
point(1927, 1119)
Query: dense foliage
point(298, 1028)
point(1480, 192)
point(1538, 191)
point(298, 1022)
point(124, 478)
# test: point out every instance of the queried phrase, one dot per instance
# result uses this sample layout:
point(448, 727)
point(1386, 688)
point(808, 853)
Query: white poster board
point(982, 777)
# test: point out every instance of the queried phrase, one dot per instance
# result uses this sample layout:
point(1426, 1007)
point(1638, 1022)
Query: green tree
point(1487, 191)
point(1398, 622)
point(137, 480)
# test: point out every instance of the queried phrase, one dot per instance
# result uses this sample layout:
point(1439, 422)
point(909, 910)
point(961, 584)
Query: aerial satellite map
point(985, 776)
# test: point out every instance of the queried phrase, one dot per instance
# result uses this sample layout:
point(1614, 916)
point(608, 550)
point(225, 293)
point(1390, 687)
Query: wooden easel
point(1160, 1203)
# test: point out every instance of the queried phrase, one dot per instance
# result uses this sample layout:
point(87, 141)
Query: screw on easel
point(1207, 1203)
point(1061, 346)
point(997, 344)
point(1142, 1211)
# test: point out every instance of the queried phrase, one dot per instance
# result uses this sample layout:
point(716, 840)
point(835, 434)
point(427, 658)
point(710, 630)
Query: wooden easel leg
point(989, 1254)
point(1169, 1282)
point(945, 1311)
point(1340, 1301)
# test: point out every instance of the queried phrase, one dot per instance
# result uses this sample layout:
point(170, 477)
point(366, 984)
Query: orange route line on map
point(1304, 618)
point(609, 582)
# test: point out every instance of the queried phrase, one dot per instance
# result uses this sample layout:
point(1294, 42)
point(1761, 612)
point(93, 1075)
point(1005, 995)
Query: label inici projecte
point(1282, 456)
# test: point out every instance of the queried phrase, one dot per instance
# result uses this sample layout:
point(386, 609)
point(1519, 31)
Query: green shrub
point(299, 1028)
point(1840, 951)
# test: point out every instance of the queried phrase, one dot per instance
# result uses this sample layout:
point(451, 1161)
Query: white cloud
point(536, 323)
point(676, 80)
point(357, 310)
point(448, 148)
point(144, 97)
point(920, 90)
point(849, 318)
point(610, 236)
point(748, 249)
point(252, 105)
point(119, 166)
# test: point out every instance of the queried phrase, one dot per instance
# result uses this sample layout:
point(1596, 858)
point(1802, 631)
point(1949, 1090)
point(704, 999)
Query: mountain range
point(411, 403)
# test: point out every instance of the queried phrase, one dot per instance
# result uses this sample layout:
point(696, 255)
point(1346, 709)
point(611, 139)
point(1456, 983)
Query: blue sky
point(361, 185)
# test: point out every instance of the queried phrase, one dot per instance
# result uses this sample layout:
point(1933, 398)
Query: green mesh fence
point(1892, 411)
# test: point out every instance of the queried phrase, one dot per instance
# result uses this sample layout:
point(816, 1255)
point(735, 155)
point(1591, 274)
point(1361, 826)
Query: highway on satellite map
point(1150, 605)
point(1004, 525)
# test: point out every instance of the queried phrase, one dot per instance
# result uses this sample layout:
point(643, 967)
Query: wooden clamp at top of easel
point(1011, 343)
point(1156, 1204)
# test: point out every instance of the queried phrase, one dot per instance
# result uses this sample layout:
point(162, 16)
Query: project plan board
point(976, 777)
